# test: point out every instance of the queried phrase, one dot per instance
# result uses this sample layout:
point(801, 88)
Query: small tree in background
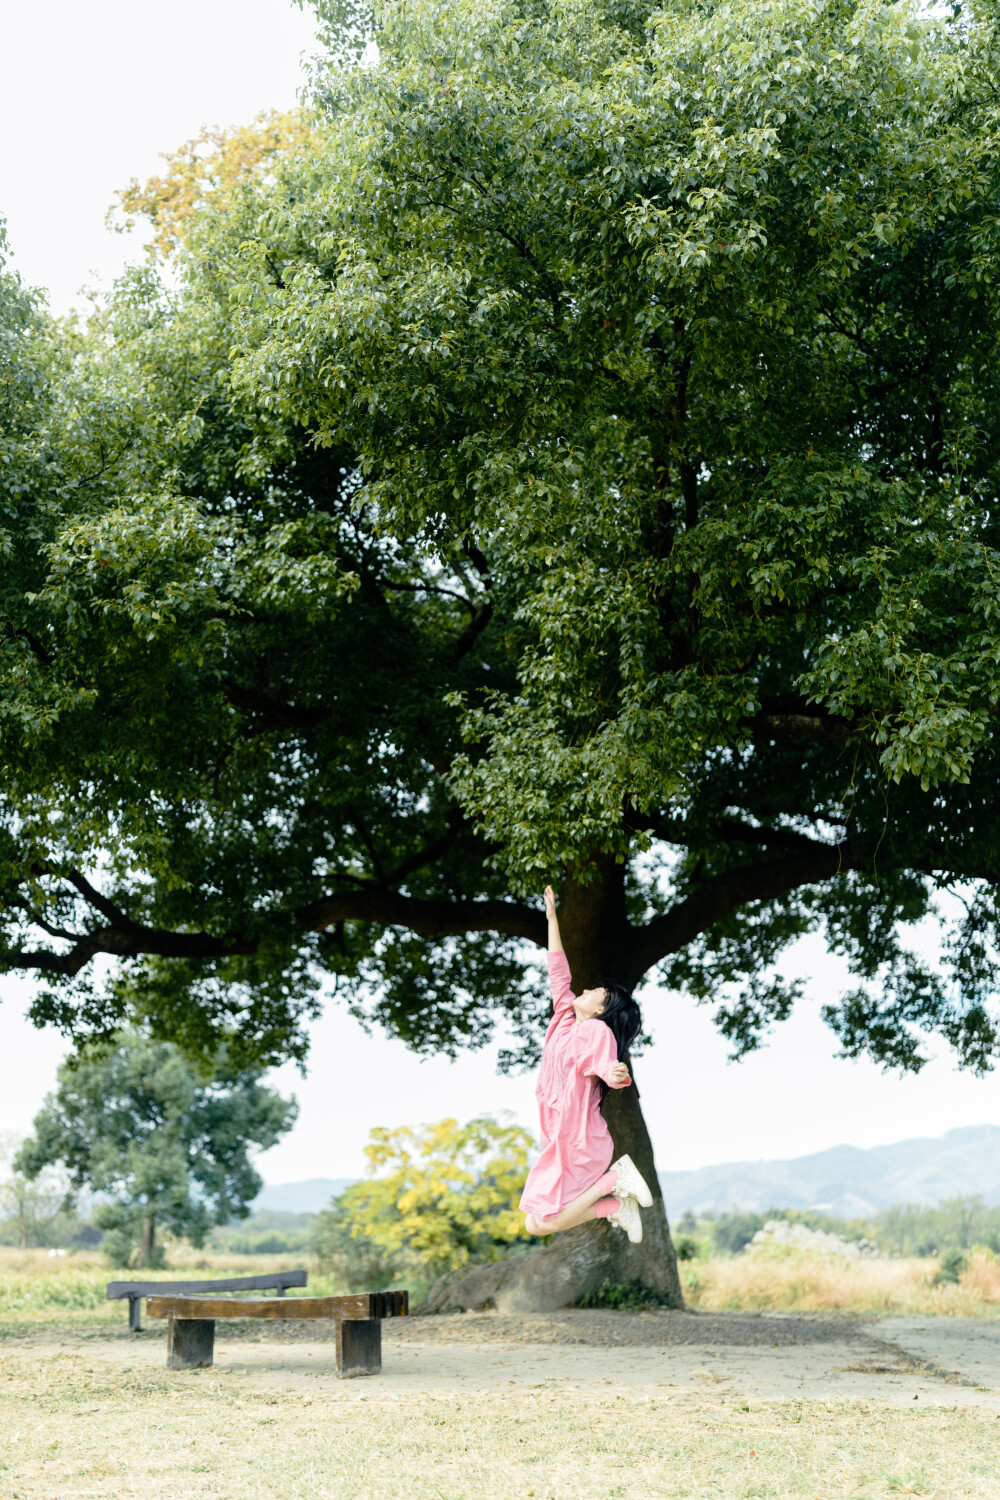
point(33, 1205)
point(169, 1148)
point(438, 1196)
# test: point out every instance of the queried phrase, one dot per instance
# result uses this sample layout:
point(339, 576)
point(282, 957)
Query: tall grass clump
point(783, 1280)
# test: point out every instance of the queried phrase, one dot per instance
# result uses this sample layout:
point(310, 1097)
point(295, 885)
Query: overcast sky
point(91, 94)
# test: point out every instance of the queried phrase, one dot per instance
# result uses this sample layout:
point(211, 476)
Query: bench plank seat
point(276, 1281)
point(273, 1280)
point(357, 1305)
point(357, 1318)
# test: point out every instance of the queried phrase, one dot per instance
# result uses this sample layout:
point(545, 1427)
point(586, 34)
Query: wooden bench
point(358, 1320)
point(277, 1282)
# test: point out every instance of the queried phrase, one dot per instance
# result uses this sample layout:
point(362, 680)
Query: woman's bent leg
point(578, 1212)
point(567, 1218)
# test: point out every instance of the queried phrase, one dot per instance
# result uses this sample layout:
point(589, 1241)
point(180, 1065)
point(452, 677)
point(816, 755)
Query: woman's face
point(590, 1004)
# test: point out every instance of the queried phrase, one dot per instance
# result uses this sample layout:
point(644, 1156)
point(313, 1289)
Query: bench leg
point(190, 1343)
point(135, 1315)
point(359, 1347)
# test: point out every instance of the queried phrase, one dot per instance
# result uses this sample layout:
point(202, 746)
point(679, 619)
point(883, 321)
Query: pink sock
point(606, 1208)
point(607, 1183)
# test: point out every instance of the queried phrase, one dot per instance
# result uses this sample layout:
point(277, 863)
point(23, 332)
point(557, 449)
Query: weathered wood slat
point(273, 1281)
point(358, 1306)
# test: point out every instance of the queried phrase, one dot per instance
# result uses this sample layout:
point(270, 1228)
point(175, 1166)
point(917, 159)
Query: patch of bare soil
point(605, 1328)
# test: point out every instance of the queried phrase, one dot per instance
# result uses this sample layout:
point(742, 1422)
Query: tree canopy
point(570, 452)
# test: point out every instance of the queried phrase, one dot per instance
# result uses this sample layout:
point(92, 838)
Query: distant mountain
point(301, 1197)
point(846, 1180)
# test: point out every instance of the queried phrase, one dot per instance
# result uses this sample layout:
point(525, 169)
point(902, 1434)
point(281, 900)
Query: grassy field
point(35, 1287)
point(69, 1430)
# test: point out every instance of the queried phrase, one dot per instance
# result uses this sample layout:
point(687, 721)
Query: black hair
point(621, 1014)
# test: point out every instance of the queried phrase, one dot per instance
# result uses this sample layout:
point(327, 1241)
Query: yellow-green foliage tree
point(207, 175)
point(440, 1194)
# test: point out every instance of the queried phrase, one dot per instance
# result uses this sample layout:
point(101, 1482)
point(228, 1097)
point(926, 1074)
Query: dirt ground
point(939, 1362)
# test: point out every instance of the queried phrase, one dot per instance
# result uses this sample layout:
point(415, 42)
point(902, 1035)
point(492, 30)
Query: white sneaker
point(630, 1183)
point(628, 1218)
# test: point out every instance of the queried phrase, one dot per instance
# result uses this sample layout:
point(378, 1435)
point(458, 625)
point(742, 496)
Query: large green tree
point(165, 1147)
point(571, 453)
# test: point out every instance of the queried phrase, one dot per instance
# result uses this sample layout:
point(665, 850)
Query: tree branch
point(37, 920)
point(433, 851)
point(674, 929)
point(429, 588)
point(815, 726)
point(34, 645)
point(473, 630)
point(431, 919)
point(136, 942)
point(93, 897)
point(435, 919)
point(277, 715)
point(479, 561)
point(730, 830)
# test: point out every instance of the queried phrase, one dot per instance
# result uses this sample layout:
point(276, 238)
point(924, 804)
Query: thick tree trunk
point(654, 1261)
point(596, 936)
point(147, 1242)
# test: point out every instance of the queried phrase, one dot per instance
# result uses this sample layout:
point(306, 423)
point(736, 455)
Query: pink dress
point(576, 1143)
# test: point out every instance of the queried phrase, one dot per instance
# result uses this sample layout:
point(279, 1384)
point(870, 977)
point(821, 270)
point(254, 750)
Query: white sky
point(91, 94)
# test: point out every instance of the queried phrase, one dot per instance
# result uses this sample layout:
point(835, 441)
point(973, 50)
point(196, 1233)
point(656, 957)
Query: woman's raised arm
point(559, 975)
point(555, 940)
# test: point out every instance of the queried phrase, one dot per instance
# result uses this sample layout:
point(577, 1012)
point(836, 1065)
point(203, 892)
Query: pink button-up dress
point(576, 1143)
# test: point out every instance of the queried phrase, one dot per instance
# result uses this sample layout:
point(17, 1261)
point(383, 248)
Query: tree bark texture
point(595, 933)
point(147, 1242)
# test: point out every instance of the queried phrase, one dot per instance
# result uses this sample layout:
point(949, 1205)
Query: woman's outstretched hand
point(619, 1075)
point(550, 902)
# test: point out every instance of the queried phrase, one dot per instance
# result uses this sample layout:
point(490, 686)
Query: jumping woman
point(571, 1181)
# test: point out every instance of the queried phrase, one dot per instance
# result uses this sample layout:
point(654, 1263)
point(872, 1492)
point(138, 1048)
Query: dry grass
point(793, 1282)
point(35, 1288)
point(67, 1429)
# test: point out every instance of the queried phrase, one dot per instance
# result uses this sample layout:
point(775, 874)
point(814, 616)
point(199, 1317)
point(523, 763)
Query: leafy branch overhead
point(567, 450)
